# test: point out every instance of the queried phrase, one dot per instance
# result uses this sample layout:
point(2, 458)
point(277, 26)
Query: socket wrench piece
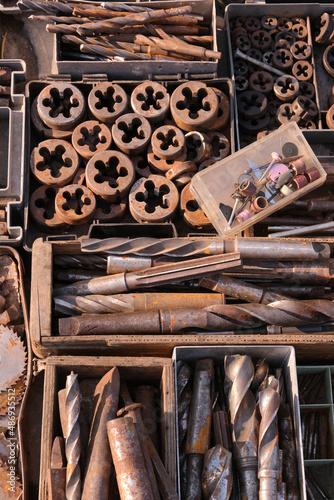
point(194, 106)
point(154, 199)
point(191, 212)
point(90, 138)
point(168, 142)
point(54, 162)
point(150, 100)
point(43, 210)
point(107, 101)
point(61, 105)
point(131, 133)
point(75, 204)
point(110, 174)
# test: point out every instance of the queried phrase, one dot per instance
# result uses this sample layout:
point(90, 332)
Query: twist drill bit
point(287, 444)
point(92, 262)
point(72, 438)
point(240, 289)
point(239, 373)
point(198, 436)
point(269, 401)
point(130, 302)
point(155, 276)
point(217, 474)
point(259, 248)
point(213, 318)
point(184, 397)
point(98, 460)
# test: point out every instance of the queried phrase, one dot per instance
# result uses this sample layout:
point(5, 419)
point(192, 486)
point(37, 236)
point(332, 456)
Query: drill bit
point(240, 289)
point(92, 262)
point(130, 302)
point(259, 248)
point(199, 426)
point(151, 277)
point(184, 397)
point(214, 318)
point(72, 438)
point(287, 444)
point(239, 373)
point(217, 474)
point(269, 401)
point(98, 460)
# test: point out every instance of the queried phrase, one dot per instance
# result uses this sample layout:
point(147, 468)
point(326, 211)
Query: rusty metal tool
point(259, 248)
point(130, 302)
point(146, 394)
point(199, 426)
point(304, 230)
point(74, 275)
point(287, 445)
point(98, 460)
point(160, 275)
point(239, 373)
point(133, 411)
point(184, 397)
point(165, 485)
point(240, 289)
point(213, 318)
point(93, 262)
point(57, 471)
point(72, 438)
point(132, 477)
point(269, 401)
point(217, 474)
point(125, 263)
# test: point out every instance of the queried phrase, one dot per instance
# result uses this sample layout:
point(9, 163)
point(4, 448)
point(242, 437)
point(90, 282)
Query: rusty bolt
point(131, 133)
point(90, 138)
point(194, 106)
point(151, 100)
point(154, 199)
point(110, 174)
point(75, 204)
point(168, 142)
point(191, 212)
point(42, 208)
point(107, 101)
point(61, 105)
point(54, 162)
point(158, 164)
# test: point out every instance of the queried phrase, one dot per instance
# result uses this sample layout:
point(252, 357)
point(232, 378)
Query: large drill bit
point(151, 277)
point(214, 318)
point(72, 438)
point(217, 474)
point(239, 373)
point(287, 444)
point(184, 397)
point(269, 401)
point(97, 262)
point(259, 248)
point(130, 302)
point(98, 460)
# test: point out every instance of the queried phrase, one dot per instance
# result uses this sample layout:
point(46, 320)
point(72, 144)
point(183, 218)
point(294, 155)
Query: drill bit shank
point(213, 318)
point(72, 438)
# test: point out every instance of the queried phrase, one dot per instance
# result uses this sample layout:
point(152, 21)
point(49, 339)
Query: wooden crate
point(136, 371)
point(45, 340)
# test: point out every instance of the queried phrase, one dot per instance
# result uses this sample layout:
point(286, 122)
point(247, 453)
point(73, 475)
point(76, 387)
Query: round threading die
point(131, 133)
point(75, 204)
point(42, 208)
point(42, 129)
point(110, 174)
point(220, 145)
point(194, 106)
point(110, 212)
point(54, 162)
point(107, 101)
point(61, 105)
point(168, 142)
point(159, 165)
point(191, 212)
point(223, 111)
point(154, 199)
point(151, 100)
point(90, 138)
